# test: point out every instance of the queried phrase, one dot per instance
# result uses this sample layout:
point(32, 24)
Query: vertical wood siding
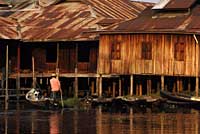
point(162, 62)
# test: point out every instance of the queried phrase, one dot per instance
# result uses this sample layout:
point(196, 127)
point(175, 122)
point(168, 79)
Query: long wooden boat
point(180, 98)
point(35, 98)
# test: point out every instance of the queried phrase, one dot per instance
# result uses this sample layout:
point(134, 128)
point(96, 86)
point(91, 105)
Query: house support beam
point(131, 85)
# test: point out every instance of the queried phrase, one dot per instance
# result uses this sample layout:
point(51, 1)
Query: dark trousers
point(55, 95)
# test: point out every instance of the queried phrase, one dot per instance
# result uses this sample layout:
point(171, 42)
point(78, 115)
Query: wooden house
point(159, 50)
point(57, 38)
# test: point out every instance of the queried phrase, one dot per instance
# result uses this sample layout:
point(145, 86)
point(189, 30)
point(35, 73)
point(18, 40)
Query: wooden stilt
point(97, 86)
point(162, 83)
point(100, 86)
point(140, 89)
point(131, 85)
point(114, 87)
point(92, 87)
point(76, 71)
point(149, 87)
point(197, 86)
point(18, 72)
point(197, 65)
point(189, 85)
point(76, 84)
point(6, 95)
point(174, 86)
point(109, 90)
point(120, 87)
point(178, 85)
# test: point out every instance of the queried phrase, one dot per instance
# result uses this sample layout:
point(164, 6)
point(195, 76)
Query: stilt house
point(159, 50)
point(50, 38)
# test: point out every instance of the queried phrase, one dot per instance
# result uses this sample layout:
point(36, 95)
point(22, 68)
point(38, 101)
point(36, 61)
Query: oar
point(61, 98)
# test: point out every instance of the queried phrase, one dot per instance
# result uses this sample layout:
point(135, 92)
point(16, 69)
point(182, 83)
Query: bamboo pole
point(33, 71)
point(6, 95)
point(131, 85)
point(57, 74)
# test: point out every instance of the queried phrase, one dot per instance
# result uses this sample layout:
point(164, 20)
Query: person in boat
point(55, 86)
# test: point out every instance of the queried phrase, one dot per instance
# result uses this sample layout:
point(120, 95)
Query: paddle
point(61, 98)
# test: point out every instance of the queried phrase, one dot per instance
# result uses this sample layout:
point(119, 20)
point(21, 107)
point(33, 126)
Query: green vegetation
point(71, 102)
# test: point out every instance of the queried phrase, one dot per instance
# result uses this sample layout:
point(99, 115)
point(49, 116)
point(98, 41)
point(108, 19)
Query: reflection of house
point(58, 36)
point(157, 50)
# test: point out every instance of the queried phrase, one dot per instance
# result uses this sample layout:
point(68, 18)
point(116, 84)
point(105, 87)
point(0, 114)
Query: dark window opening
point(116, 51)
point(51, 54)
point(179, 51)
point(83, 53)
point(147, 50)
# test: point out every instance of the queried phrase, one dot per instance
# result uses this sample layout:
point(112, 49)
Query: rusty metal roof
point(2, 2)
point(73, 19)
point(8, 29)
point(174, 4)
point(158, 22)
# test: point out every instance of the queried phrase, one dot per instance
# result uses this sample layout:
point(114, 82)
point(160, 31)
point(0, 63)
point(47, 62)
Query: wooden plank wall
point(162, 63)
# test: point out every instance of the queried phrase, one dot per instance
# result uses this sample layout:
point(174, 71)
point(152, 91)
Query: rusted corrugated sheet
point(158, 22)
point(8, 29)
point(73, 20)
point(2, 2)
point(179, 4)
point(174, 4)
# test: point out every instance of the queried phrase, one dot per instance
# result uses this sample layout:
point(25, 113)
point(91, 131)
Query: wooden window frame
point(179, 51)
point(146, 51)
point(116, 50)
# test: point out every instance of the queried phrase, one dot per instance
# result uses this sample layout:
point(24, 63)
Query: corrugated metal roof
point(2, 2)
point(8, 29)
point(173, 22)
point(72, 20)
point(174, 4)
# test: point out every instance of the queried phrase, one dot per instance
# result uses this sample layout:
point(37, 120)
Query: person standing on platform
point(55, 86)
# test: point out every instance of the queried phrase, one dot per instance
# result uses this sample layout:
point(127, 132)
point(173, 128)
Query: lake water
point(23, 119)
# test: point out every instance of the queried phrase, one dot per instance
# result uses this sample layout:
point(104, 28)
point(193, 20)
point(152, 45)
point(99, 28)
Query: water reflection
point(54, 123)
point(99, 121)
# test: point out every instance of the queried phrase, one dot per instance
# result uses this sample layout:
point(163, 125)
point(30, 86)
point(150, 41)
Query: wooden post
point(114, 88)
point(197, 65)
point(76, 71)
point(109, 90)
point(100, 86)
point(131, 85)
point(177, 85)
point(162, 83)
point(6, 95)
point(92, 87)
point(140, 88)
point(120, 86)
point(197, 86)
point(76, 84)
point(18, 71)
point(33, 70)
point(149, 87)
point(97, 85)
point(189, 85)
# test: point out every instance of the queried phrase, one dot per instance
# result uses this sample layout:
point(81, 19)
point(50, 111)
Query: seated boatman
point(55, 86)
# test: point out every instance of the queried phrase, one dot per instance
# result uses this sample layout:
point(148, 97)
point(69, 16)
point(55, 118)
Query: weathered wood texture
point(67, 60)
point(162, 62)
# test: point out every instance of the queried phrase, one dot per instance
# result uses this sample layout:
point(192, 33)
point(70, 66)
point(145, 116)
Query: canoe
point(180, 97)
point(35, 97)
